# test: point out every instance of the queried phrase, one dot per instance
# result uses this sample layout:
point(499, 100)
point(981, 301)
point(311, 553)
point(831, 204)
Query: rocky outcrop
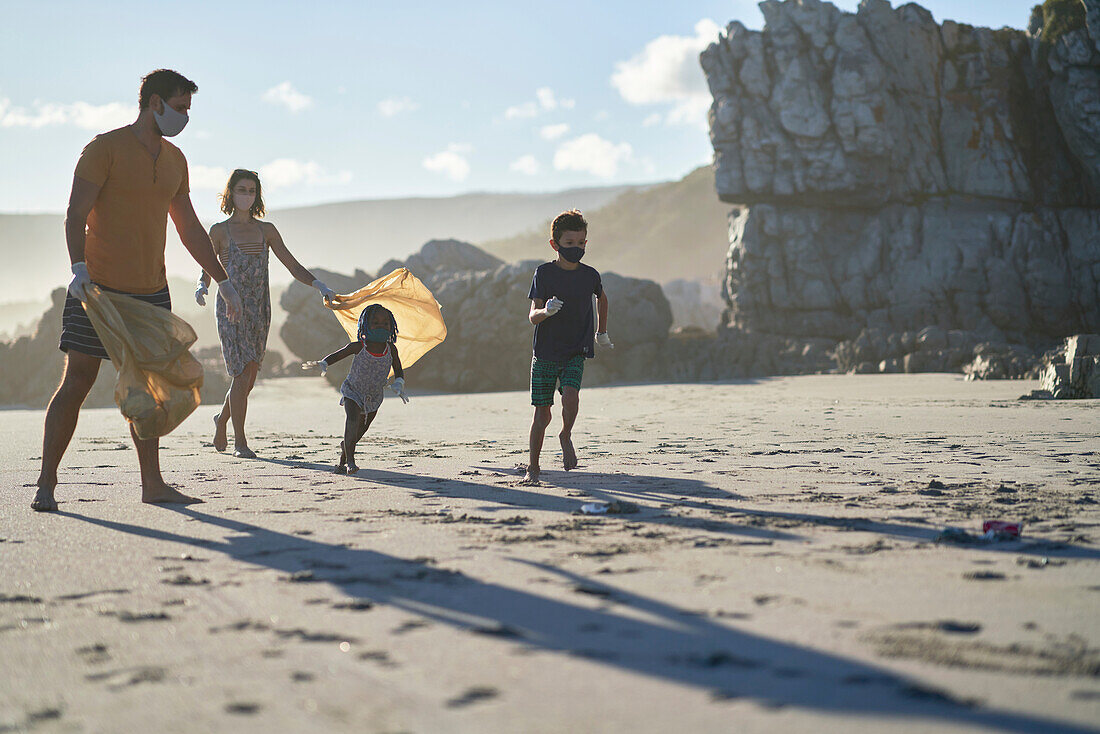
point(895, 175)
point(695, 303)
point(1073, 370)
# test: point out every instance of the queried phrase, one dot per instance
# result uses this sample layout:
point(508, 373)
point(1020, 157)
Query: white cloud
point(553, 132)
point(593, 154)
point(545, 101)
point(78, 114)
point(286, 95)
point(207, 178)
point(667, 72)
point(525, 164)
point(527, 109)
point(451, 162)
point(396, 105)
point(652, 119)
point(289, 172)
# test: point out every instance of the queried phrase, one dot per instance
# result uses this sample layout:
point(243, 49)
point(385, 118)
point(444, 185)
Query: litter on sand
point(609, 508)
point(992, 531)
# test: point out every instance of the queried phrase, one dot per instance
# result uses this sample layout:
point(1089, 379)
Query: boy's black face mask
point(572, 254)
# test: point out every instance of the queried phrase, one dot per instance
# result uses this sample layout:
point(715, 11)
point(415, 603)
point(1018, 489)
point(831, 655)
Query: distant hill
point(662, 232)
point(340, 236)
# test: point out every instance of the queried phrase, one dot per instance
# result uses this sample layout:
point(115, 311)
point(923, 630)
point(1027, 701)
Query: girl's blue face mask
point(375, 335)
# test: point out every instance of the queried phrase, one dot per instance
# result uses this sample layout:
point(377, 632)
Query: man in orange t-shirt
point(127, 182)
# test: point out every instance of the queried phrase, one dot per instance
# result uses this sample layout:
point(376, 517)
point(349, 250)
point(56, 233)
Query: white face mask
point(171, 122)
point(243, 202)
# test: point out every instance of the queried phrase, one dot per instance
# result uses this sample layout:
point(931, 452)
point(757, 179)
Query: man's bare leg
point(538, 432)
point(153, 488)
point(61, 416)
point(570, 405)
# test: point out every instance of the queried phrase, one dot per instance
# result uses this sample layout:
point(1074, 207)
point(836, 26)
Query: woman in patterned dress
point(242, 243)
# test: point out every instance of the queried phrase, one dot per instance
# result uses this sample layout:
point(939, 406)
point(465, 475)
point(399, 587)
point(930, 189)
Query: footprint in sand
point(473, 695)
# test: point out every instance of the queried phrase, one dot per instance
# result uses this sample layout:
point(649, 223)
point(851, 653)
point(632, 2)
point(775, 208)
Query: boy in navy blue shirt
point(561, 310)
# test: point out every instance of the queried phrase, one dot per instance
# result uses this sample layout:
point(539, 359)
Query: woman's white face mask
point(243, 202)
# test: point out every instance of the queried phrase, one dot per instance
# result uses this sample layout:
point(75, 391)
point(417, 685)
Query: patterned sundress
point(245, 340)
point(366, 379)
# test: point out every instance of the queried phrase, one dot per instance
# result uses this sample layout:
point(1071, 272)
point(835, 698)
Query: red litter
point(1002, 528)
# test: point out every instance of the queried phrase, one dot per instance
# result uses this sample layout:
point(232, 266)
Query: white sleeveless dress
point(366, 380)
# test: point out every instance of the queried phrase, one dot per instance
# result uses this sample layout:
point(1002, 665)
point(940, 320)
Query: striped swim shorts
point(77, 332)
point(546, 374)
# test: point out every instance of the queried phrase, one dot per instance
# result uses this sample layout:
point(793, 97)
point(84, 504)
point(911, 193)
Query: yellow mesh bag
point(158, 378)
point(419, 319)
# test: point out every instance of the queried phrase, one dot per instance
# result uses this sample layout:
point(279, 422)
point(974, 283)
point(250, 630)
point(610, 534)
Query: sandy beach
point(778, 572)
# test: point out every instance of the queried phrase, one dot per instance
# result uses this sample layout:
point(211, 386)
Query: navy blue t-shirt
point(570, 331)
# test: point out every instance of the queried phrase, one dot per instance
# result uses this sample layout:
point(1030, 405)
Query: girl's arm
point(398, 373)
point(347, 351)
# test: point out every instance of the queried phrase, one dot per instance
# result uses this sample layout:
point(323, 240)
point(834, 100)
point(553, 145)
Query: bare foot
point(352, 468)
point(163, 494)
point(243, 452)
point(221, 441)
point(568, 454)
point(43, 500)
point(532, 476)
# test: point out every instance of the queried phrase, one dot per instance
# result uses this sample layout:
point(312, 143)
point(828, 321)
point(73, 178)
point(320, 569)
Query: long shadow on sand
point(629, 631)
point(678, 490)
point(501, 498)
point(638, 491)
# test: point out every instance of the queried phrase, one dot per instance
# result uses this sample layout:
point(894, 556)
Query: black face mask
point(572, 254)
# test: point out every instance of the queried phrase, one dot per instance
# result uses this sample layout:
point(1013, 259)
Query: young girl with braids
point(375, 353)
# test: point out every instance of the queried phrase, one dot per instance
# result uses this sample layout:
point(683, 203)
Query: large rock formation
point(895, 175)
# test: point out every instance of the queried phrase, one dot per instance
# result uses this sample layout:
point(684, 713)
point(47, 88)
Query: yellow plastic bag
point(158, 378)
point(419, 319)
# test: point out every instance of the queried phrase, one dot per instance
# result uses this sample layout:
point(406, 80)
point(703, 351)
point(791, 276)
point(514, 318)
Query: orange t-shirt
point(124, 247)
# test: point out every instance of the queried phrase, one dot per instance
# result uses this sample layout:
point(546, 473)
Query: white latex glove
point(398, 387)
point(78, 286)
point(228, 293)
point(201, 289)
point(604, 340)
point(326, 292)
point(554, 305)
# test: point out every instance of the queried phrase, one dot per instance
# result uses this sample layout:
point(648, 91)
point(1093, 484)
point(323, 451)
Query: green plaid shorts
point(546, 374)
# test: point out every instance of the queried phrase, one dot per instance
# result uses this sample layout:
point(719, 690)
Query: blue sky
point(335, 101)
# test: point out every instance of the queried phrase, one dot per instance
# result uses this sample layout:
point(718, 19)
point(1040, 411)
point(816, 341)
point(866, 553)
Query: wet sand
point(775, 568)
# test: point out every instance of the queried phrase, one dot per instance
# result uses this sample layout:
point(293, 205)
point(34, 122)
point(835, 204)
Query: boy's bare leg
point(570, 406)
point(61, 416)
point(153, 488)
point(538, 432)
point(221, 423)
